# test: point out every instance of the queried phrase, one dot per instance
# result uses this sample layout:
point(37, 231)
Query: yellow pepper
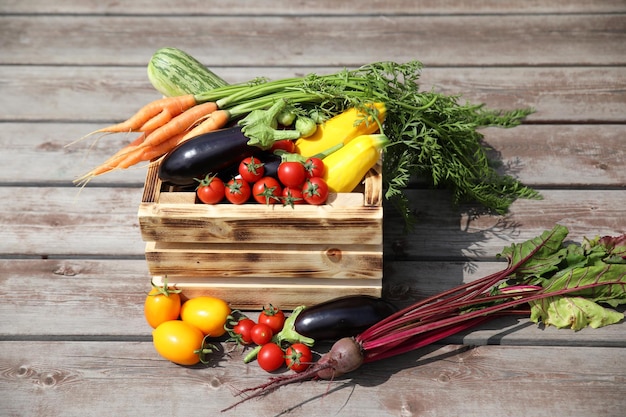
point(341, 129)
point(346, 167)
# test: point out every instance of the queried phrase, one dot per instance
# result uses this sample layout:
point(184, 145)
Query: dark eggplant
point(342, 317)
point(270, 163)
point(204, 154)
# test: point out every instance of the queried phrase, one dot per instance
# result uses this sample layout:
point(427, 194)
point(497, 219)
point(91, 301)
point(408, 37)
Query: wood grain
point(435, 381)
point(565, 39)
point(324, 7)
point(73, 276)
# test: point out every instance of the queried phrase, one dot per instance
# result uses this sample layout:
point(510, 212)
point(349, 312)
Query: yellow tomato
point(162, 304)
point(209, 314)
point(178, 342)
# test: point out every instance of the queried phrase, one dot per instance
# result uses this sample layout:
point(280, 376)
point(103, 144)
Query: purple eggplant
point(342, 317)
point(208, 153)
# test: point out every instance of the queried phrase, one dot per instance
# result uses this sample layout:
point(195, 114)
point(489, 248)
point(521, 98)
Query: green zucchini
point(174, 72)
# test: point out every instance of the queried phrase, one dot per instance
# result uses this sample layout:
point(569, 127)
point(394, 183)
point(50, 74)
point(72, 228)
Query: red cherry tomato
point(244, 329)
point(291, 173)
point(315, 191)
point(314, 167)
point(273, 317)
point(267, 190)
point(251, 169)
point(261, 334)
point(284, 145)
point(292, 196)
point(271, 357)
point(298, 357)
point(211, 190)
point(237, 191)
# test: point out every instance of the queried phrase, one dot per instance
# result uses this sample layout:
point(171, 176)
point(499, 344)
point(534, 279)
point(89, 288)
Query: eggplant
point(207, 153)
point(270, 163)
point(342, 317)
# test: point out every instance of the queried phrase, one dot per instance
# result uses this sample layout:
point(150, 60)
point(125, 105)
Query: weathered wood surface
point(72, 270)
point(124, 378)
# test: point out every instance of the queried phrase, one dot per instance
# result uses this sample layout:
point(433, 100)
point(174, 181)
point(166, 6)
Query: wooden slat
point(76, 378)
point(253, 294)
point(565, 39)
point(110, 94)
point(291, 260)
point(324, 7)
point(256, 223)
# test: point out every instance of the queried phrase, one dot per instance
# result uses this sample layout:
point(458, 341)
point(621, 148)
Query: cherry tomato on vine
point(292, 196)
point(251, 169)
point(162, 304)
point(273, 317)
point(291, 173)
point(261, 334)
point(315, 191)
point(178, 341)
point(314, 167)
point(267, 190)
point(284, 145)
point(211, 190)
point(244, 329)
point(209, 314)
point(270, 357)
point(298, 357)
point(238, 191)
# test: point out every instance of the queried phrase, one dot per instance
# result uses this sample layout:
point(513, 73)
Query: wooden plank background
point(73, 341)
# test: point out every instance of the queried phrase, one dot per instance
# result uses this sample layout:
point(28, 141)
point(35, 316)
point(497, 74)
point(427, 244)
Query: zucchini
point(174, 72)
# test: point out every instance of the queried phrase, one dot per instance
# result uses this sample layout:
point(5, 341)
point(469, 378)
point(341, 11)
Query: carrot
point(157, 121)
point(179, 124)
point(174, 105)
point(213, 121)
point(141, 153)
point(160, 140)
point(135, 143)
point(216, 120)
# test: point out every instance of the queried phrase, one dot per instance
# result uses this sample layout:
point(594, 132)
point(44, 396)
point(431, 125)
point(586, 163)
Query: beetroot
point(345, 356)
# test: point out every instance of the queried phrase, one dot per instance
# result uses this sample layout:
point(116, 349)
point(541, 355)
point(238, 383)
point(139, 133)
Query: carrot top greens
point(432, 135)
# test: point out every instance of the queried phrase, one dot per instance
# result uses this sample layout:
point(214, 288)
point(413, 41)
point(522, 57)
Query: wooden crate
point(252, 255)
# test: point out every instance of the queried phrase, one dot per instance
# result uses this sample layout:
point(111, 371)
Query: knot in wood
point(334, 254)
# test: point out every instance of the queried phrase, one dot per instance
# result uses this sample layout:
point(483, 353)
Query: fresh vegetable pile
point(426, 134)
point(564, 285)
point(547, 279)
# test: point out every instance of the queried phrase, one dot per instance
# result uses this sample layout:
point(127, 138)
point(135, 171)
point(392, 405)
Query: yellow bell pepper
point(341, 129)
point(346, 167)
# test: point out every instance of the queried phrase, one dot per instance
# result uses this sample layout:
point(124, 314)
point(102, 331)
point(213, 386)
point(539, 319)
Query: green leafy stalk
point(564, 285)
point(433, 136)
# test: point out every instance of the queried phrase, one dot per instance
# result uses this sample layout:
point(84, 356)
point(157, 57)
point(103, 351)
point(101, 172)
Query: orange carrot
point(156, 143)
point(141, 154)
point(157, 121)
point(146, 152)
point(216, 120)
point(175, 106)
point(179, 124)
point(138, 141)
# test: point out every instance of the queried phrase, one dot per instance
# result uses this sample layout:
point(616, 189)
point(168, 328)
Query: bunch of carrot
point(167, 122)
point(162, 124)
